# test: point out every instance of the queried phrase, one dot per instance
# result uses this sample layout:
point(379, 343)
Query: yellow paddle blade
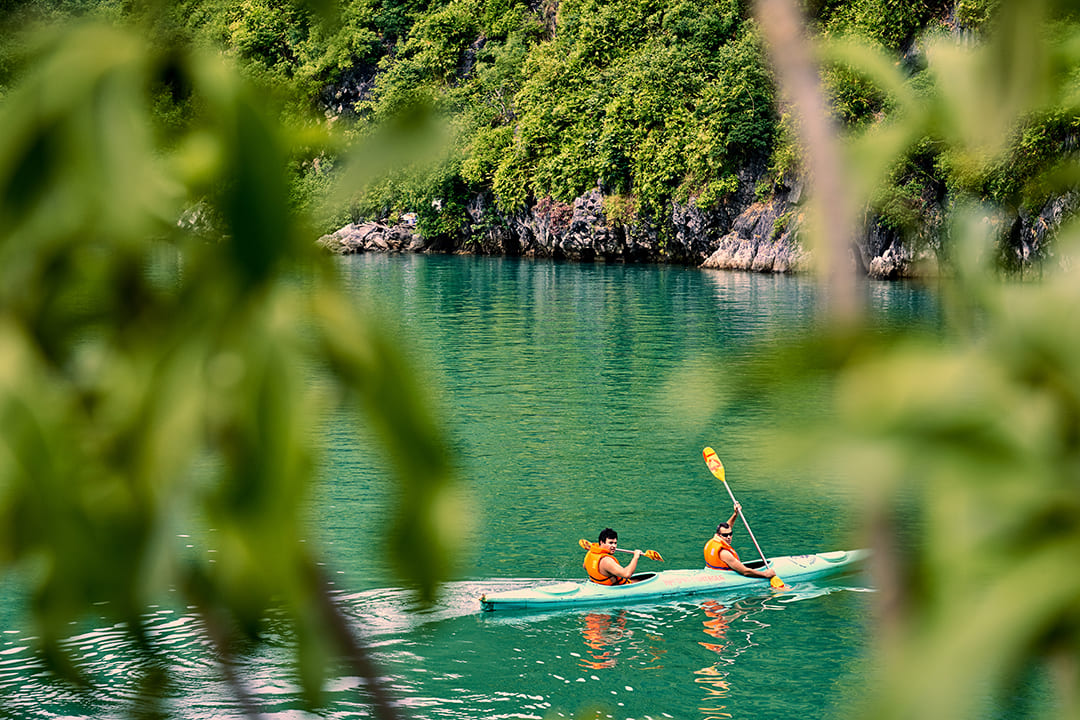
point(653, 555)
point(777, 583)
point(585, 544)
point(715, 466)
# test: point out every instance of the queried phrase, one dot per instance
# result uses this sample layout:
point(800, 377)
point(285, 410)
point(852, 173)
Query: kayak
point(672, 583)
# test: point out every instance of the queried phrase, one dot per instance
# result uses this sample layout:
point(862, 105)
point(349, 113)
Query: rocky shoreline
point(744, 234)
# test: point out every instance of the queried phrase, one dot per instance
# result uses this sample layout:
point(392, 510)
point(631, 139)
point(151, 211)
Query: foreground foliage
point(159, 356)
point(962, 443)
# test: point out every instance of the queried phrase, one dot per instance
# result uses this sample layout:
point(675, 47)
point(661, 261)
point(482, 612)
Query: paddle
point(651, 554)
point(717, 469)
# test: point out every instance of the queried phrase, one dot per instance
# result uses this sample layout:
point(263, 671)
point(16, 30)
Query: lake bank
point(742, 233)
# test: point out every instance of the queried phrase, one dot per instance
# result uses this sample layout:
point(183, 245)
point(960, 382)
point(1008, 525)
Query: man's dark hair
point(608, 533)
point(721, 526)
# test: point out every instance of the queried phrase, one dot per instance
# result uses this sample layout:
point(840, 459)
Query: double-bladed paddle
point(651, 554)
point(717, 469)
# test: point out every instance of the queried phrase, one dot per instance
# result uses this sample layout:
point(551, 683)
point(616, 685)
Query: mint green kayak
point(673, 583)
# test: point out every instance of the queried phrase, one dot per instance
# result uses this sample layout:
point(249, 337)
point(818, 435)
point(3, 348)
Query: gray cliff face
point(765, 236)
point(763, 239)
point(882, 253)
point(741, 234)
point(1028, 236)
point(372, 237)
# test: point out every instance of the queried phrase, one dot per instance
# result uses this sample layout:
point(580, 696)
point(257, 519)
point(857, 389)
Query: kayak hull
point(671, 583)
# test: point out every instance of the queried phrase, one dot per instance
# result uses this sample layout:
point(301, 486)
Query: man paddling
point(600, 562)
point(720, 555)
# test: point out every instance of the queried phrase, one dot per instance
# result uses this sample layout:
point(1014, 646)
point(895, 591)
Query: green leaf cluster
point(661, 99)
point(961, 439)
point(169, 341)
point(286, 43)
point(932, 133)
point(893, 24)
point(644, 98)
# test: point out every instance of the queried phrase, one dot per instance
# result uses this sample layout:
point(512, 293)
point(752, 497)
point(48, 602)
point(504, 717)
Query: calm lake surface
point(568, 393)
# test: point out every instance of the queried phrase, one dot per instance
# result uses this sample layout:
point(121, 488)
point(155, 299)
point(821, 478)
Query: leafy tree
point(642, 98)
point(892, 23)
point(961, 442)
point(158, 355)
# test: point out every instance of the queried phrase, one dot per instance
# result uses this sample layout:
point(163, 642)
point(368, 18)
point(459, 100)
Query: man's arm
point(734, 514)
point(735, 564)
point(611, 566)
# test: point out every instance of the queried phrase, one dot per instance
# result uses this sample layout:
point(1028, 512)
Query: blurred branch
point(353, 648)
point(219, 639)
point(833, 219)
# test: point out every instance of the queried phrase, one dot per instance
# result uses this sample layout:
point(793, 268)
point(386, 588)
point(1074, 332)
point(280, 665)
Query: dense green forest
point(651, 101)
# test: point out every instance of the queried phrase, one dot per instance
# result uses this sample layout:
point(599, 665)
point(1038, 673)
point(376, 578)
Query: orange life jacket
point(596, 553)
point(712, 553)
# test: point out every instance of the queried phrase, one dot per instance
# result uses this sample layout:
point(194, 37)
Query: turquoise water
point(568, 392)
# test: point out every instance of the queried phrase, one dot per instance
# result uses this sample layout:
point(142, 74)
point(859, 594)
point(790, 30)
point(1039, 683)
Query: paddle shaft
point(748, 530)
point(630, 551)
point(651, 554)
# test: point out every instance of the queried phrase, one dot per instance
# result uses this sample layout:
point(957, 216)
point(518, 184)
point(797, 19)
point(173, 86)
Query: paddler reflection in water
point(600, 562)
point(720, 555)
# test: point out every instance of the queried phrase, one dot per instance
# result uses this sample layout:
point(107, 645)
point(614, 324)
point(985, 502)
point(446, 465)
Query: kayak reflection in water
point(600, 562)
point(713, 679)
point(720, 555)
point(603, 633)
point(716, 626)
point(609, 640)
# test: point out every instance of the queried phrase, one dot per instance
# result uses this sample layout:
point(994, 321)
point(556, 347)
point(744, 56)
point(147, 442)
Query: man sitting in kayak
point(600, 562)
point(720, 555)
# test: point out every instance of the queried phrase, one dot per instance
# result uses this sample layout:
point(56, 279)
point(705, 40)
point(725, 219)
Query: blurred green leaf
point(963, 441)
point(159, 381)
point(427, 531)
